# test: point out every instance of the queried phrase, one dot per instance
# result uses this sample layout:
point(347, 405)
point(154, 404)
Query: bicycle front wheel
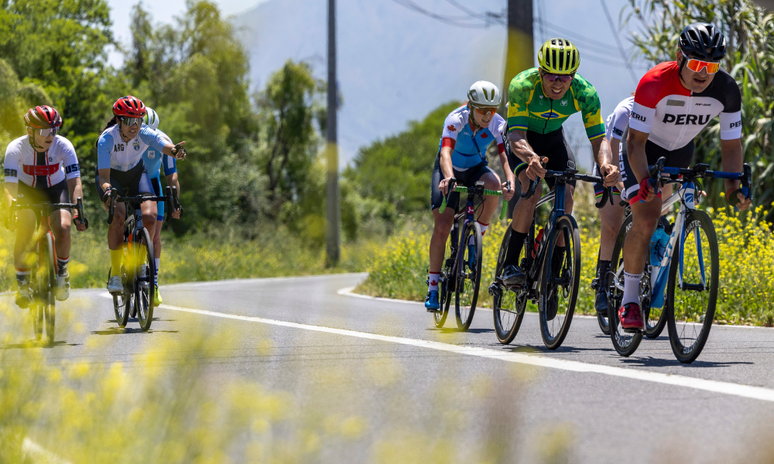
point(692, 289)
point(144, 281)
point(469, 259)
point(48, 268)
point(625, 343)
point(447, 281)
point(559, 282)
point(122, 303)
point(508, 305)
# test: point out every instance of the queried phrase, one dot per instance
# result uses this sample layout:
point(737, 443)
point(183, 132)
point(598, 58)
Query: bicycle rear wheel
point(447, 281)
point(144, 287)
point(508, 305)
point(469, 259)
point(691, 303)
point(559, 285)
point(48, 267)
point(122, 303)
point(625, 343)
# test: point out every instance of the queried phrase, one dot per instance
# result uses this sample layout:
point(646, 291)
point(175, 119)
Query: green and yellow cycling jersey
point(530, 109)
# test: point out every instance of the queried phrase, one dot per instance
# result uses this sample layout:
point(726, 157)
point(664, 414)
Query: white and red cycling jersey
point(674, 116)
point(40, 170)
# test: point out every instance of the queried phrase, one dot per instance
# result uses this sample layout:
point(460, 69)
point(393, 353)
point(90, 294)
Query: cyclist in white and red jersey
point(42, 167)
point(467, 134)
point(673, 103)
point(121, 168)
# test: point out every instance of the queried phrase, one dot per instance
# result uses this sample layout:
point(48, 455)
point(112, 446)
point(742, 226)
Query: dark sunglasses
point(563, 78)
point(131, 121)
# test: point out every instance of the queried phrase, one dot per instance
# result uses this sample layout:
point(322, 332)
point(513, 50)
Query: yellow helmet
point(559, 56)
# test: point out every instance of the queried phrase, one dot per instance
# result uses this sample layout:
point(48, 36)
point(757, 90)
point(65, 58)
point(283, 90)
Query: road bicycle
point(43, 282)
point(689, 268)
point(138, 266)
point(461, 271)
point(552, 271)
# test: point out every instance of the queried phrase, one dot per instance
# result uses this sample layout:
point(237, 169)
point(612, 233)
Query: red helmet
point(42, 117)
point(129, 106)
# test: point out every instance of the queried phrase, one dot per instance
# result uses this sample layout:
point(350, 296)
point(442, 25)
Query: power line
point(618, 41)
point(452, 20)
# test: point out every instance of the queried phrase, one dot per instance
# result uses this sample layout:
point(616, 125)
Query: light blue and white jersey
point(114, 153)
point(153, 160)
point(469, 149)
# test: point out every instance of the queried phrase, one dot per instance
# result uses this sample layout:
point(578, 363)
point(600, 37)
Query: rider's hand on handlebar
point(106, 195)
point(178, 151)
point(535, 168)
point(647, 192)
point(443, 186)
point(611, 174)
point(507, 191)
point(79, 225)
point(736, 198)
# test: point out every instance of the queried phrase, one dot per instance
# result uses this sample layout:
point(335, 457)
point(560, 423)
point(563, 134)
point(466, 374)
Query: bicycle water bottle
point(658, 244)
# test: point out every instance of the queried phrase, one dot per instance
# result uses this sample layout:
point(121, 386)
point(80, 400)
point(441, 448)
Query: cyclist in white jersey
point(42, 167)
point(121, 168)
point(611, 216)
point(154, 161)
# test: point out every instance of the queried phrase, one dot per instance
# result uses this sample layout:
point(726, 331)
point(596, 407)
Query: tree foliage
point(750, 60)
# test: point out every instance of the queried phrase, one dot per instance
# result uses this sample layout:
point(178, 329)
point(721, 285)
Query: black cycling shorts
point(466, 178)
point(680, 158)
point(552, 145)
point(58, 193)
point(128, 183)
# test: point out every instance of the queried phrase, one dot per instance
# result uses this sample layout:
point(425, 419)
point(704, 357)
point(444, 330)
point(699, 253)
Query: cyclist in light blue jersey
point(154, 160)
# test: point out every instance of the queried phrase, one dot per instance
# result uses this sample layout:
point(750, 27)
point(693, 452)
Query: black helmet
point(702, 41)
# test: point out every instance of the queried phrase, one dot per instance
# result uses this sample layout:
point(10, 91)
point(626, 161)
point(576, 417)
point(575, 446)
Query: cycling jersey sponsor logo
point(451, 128)
point(549, 115)
point(686, 119)
point(136, 145)
point(72, 168)
point(11, 173)
point(563, 103)
point(734, 125)
point(675, 103)
point(638, 117)
point(152, 154)
point(36, 170)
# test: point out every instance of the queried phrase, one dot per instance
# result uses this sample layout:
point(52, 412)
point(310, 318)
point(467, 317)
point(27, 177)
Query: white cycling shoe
point(63, 287)
point(115, 285)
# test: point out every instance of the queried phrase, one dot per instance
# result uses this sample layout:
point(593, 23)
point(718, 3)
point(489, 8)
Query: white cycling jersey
point(40, 170)
point(619, 119)
point(114, 153)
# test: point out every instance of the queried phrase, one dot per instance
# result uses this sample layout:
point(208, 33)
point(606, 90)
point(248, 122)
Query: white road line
point(726, 388)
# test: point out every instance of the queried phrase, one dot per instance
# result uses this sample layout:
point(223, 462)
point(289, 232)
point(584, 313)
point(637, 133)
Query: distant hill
point(396, 65)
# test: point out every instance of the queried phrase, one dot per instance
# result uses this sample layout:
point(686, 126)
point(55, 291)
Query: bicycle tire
point(625, 343)
point(468, 283)
point(144, 287)
point(446, 282)
point(48, 289)
point(552, 330)
point(122, 302)
point(506, 321)
point(695, 221)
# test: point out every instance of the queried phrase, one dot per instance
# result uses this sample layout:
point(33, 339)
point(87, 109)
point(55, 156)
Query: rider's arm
point(170, 171)
point(519, 145)
point(11, 171)
point(104, 146)
point(11, 188)
point(732, 158)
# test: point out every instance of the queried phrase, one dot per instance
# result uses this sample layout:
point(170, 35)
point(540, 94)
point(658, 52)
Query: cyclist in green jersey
point(540, 100)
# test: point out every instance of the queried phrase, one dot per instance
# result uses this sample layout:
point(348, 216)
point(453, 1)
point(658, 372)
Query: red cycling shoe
point(630, 316)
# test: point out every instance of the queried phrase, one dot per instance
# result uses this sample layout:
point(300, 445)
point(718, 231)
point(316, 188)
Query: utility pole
point(332, 151)
point(519, 55)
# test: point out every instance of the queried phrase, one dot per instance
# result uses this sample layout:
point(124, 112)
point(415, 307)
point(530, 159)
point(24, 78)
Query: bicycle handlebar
point(44, 205)
point(699, 171)
point(170, 196)
point(572, 174)
point(460, 189)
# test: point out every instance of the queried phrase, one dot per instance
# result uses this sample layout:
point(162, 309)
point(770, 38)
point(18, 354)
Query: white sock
point(432, 281)
point(156, 277)
point(631, 288)
point(484, 227)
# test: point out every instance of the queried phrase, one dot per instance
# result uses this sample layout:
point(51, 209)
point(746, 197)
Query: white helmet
point(484, 93)
point(151, 118)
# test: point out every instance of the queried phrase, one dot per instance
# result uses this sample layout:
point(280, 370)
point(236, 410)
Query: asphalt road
point(416, 389)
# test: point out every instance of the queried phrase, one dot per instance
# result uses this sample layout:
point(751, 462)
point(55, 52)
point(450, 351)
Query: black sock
point(514, 248)
point(557, 259)
point(603, 267)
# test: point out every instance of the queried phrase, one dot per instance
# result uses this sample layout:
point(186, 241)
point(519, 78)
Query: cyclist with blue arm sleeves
point(121, 168)
point(154, 160)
